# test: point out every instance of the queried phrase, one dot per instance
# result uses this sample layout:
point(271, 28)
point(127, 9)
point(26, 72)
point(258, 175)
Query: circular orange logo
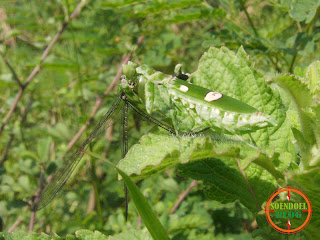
point(286, 216)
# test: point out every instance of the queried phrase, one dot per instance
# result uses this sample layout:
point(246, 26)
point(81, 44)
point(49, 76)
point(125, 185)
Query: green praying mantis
point(192, 108)
point(154, 95)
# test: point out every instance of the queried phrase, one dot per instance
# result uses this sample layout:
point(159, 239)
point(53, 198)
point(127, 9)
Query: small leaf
point(24, 182)
point(43, 149)
point(12, 33)
point(313, 79)
point(309, 183)
point(87, 234)
point(222, 70)
point(295, 86)
point(17, 204)
point(132, 235)
point(149, 218)
point(302, 10)
point(225, 182)
point(170, 154)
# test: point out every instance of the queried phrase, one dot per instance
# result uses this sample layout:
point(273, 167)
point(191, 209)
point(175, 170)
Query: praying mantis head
point(139, 84)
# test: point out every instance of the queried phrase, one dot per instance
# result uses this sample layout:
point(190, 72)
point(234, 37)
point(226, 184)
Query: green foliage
point(281, 78)
point(302, 10)
point(81, 234)
point(150, 219)
point(235, 76)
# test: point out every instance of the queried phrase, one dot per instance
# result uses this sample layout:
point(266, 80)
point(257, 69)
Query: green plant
point(279, 36)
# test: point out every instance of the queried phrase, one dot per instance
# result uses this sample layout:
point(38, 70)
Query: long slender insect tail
point(124, 142)
point(126, 200)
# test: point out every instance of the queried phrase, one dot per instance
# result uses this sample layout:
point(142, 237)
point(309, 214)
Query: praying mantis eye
point(129, 70)
point(178, 73)
point(181, 76)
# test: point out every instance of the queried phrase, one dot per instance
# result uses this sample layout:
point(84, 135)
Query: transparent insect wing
point(69, 165)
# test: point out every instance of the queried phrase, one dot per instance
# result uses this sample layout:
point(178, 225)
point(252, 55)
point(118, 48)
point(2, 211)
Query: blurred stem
point(183, 196)
point(257, 34)
point(96, 189)
point(125, 59)
point(76, 53)
point(239, 26)
point(16, 224)
point(249, 18)
point(308, 30)
point(34, 202)
point(207, 5)
point(310, 25)
point(37, 68)
point(14, 73)
point(274, 63)
point(6, 150)
point(293, 59)
point(299, 27)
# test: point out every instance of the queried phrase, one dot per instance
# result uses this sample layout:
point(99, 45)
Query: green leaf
point(87, 234)
point(300, 91)
point(25, 236)
point(315, 114)
point(60, 131)
point(233, 74)
point(149, 218)
point(309, 138)
point(57, 64)
point(12, 33)
point(302, 10)
point(188, 221)
point(167, 155)
point(297, 89)
point(226, 178)
point(225, 182)
point(132, 235)
point(29, 154)
point(80, 235)
point(309, 183)
point(43, 148)
point(192, 14)
point(71, 237)
point(313, 79)
point(185, 149)
point(17, 204)
point(24, 182)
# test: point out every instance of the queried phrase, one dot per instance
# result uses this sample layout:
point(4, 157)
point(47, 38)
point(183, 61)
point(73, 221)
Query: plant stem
point(37, 69)
point(249, 19)
point(99, 100)
point(293, 59)
point(308, 30)
point(96, 189)
point(311, 23)
point(257, 34)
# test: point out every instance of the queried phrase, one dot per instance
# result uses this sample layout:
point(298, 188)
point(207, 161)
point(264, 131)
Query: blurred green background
point(280, 36)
